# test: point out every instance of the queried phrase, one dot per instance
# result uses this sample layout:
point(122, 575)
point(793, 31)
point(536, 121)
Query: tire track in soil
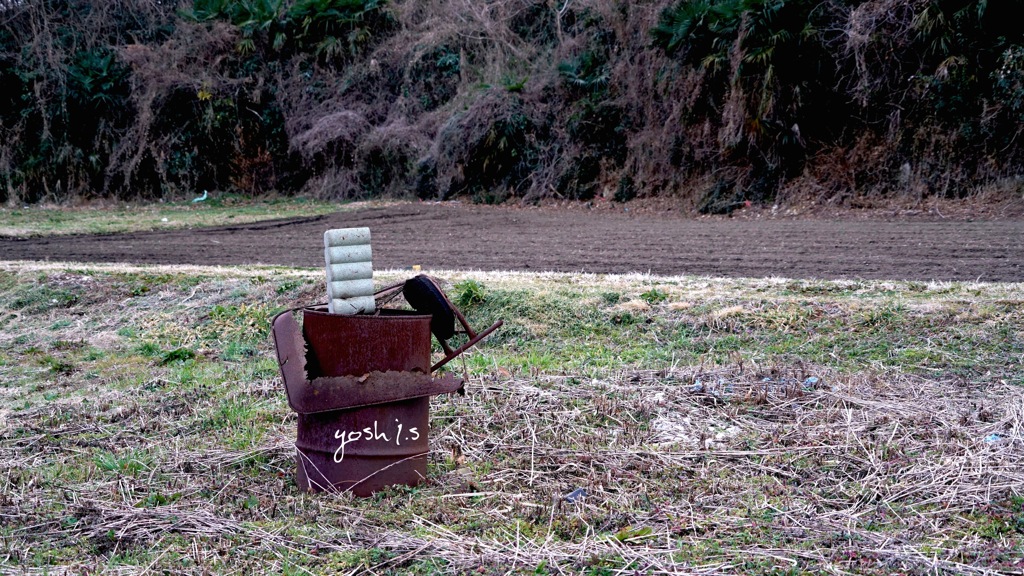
point(456, 236)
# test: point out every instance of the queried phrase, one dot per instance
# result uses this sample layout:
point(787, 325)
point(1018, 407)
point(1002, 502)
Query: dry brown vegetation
point(714, 102)
point(717, 426)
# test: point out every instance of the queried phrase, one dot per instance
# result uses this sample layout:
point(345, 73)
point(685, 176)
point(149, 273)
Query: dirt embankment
point(457, 236)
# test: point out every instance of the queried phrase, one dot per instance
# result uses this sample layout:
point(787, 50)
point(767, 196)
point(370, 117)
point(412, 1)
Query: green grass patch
point(109, 219)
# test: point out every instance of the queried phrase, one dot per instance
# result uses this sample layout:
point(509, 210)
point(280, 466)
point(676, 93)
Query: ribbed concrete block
point(351, 288)
point(347, 237)
point(350, 271)
point(350, 306)
point(347, 254)
point(349, 267)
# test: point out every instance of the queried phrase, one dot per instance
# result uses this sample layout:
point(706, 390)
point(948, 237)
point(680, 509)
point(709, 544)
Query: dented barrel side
point(367, 448)
point(364, 449)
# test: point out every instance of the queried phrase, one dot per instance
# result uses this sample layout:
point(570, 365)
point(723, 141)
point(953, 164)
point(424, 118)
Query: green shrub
point(328, 28)
point(469, 293)
point(654, 296)
point(434, 76)
point(488, 151)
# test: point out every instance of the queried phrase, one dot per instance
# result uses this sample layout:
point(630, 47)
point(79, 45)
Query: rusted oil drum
point(363, 449)
point(366, 448)
point(341, 345)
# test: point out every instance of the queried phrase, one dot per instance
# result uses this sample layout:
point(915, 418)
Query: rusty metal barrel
point(361, 387)
point(355, 345)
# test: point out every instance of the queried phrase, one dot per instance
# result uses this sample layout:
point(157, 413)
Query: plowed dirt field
point(458, 236)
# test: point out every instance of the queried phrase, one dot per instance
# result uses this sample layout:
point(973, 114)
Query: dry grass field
point(717, 426)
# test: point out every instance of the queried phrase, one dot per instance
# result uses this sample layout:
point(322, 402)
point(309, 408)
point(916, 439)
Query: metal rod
point(480, 336)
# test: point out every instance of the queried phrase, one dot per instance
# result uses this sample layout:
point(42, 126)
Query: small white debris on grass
point(687, 431)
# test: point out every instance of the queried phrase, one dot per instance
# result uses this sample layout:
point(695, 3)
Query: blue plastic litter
point(577, 494)
point(992, 438)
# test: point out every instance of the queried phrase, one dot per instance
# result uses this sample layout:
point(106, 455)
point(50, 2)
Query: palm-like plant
point(751, 38)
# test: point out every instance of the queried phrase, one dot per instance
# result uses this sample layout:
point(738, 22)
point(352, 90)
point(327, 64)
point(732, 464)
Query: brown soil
point(578, 239)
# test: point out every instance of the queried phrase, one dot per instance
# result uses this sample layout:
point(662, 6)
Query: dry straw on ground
point(742, 463)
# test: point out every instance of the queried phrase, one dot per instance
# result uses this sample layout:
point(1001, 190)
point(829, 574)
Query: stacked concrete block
point(349, 271)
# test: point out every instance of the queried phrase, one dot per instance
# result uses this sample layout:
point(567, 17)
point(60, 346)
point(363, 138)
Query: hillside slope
point(714, 102)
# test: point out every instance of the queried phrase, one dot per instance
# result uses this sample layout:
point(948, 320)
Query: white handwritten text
point(373, 434)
